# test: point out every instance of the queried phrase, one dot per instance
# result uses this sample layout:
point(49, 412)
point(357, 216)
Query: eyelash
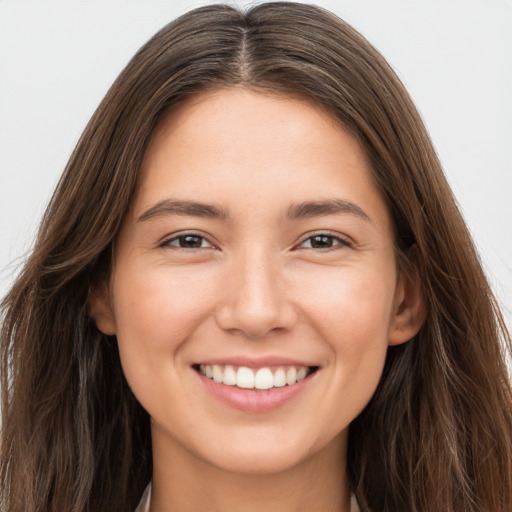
point(182, 237)
point(341, 242)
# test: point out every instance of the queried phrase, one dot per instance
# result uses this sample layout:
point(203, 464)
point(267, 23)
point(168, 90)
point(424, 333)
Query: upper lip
point(256, 362)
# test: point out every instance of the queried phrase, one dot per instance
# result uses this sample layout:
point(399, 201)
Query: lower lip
point(251, 400)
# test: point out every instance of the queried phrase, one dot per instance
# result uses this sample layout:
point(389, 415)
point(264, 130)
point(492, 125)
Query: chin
point(258, 463)
point(270, 455)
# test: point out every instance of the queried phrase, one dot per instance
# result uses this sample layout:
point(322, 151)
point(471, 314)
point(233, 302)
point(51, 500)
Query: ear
point(100, 309)
point(409, 307)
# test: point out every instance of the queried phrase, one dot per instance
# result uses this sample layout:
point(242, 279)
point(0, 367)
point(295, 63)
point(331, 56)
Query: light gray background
point(58, 57)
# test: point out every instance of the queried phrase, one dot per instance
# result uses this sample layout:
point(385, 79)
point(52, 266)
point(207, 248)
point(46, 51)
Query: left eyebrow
point(325, 207)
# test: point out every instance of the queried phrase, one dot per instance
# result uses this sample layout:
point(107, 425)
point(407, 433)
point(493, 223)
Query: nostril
point(254, 314)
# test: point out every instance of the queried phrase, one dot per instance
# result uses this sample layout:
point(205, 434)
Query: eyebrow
point(185, 208)
point(296, 211)
point(325, 207)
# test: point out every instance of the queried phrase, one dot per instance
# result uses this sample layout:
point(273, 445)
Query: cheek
point(353, 317)
point(155, 312)
point(352, 305)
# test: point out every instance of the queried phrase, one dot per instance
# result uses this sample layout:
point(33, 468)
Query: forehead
point(234, 142)
point(213, 117)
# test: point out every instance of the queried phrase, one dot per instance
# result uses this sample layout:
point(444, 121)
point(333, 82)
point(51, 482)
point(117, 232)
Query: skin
point(256, 286)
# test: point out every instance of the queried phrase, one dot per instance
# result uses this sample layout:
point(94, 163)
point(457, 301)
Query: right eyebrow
point(188, 208)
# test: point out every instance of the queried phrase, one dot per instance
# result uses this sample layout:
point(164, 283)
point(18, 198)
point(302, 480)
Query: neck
point(184, 482)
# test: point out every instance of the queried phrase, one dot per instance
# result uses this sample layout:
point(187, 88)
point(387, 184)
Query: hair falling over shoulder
point(436, 436)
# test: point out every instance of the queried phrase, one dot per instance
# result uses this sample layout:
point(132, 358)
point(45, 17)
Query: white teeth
point(279, 378)
point(247, 378)
point(217, 373)
point(229, 376)
point(301, 374)
point(291, 376)
point(264, 379)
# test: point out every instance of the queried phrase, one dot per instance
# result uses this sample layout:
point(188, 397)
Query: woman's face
point(257, 248)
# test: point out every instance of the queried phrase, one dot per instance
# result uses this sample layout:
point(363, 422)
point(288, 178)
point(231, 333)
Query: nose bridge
point(258, 280)
point(254, 300)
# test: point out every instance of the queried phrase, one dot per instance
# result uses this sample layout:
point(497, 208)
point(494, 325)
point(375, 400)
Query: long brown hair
point(436, 436)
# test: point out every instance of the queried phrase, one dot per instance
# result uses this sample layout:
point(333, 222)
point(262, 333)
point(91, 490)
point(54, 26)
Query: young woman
point(253, 290)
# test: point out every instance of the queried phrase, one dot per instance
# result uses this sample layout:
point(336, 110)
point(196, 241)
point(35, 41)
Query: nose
point(254, 302)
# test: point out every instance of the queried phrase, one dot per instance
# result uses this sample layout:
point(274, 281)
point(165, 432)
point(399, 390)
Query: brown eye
point(323, 241)
point(187, 241)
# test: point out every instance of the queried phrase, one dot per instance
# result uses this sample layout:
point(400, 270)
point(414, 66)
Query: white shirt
point(146, 497)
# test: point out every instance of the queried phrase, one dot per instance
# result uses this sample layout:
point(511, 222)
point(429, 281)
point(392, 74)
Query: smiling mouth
point(262, 379)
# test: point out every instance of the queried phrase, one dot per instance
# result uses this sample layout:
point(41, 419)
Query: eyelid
point(166, 241)
point(344, 241)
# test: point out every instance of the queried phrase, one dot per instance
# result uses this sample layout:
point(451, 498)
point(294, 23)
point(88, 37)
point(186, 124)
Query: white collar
point(144, 501)
point(146, 497)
